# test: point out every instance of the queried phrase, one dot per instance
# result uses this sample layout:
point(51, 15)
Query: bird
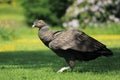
point(71, 44)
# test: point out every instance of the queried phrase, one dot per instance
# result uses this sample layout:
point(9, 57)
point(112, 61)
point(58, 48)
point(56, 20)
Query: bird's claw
point(62, 69)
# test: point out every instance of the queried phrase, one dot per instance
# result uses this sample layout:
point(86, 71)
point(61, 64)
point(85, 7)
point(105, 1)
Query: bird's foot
point(63, 69)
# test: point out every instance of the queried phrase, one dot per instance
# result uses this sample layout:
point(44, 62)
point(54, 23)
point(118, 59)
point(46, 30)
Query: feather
point(71, 44)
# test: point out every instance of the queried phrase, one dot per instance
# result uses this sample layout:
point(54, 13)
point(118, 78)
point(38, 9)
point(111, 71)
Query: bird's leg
point(71, 64)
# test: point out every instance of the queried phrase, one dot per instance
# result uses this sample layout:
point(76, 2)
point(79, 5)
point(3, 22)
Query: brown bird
point(72, 45)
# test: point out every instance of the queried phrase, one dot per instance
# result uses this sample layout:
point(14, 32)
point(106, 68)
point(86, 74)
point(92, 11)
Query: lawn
point(29, 59)
point(26, 58)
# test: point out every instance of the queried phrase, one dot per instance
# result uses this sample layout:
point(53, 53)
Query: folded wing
point(75, 40)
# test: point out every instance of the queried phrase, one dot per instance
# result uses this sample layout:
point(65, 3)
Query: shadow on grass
point(42, 59)
point(28, 59)
point(102, 64)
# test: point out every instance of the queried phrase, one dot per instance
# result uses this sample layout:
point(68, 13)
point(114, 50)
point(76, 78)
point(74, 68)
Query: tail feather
point(106, 52)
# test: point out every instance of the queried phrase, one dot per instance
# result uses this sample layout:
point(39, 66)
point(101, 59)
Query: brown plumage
point(71, 44)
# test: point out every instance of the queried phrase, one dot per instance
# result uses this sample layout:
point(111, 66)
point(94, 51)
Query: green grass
point(111, 28)
point(8, 12)
point(29, 60)
point(42, 65)
point(33, 61)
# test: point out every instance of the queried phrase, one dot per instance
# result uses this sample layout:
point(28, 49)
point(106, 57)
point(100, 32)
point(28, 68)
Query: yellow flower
point(7, 48)
point(105, 37)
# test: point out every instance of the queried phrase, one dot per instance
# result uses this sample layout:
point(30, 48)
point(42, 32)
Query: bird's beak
point(33, 26)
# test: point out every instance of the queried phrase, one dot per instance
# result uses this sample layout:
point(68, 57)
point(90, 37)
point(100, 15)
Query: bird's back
point(78, 44)
point(63, 40)
point(76, 40)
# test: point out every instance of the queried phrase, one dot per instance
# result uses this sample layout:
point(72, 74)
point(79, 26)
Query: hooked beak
point(33, 26)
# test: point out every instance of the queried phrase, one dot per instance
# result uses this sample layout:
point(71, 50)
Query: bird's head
point(39, 23)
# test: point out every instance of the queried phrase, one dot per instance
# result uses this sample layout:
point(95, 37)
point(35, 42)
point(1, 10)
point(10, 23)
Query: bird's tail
point(106, 52)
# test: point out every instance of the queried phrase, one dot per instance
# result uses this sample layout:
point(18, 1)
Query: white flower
point(78, 2)
point(91, 1)
point(111, 17)
point(116, 20)
point(94, 8)
point(71, 24)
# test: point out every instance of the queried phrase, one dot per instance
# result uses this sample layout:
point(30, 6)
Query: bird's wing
point(56, 34)
point(75, 40)
point(85, 43)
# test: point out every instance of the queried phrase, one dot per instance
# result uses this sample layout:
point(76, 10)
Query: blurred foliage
point(6, 1)
point(92, 12)
point(8, 33)
point(11, 20)
point(11, 2)
point(13, 25)
point(48, 10)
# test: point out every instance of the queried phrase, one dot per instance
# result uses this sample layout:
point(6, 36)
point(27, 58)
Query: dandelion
point(107, 37)
point(9, 47)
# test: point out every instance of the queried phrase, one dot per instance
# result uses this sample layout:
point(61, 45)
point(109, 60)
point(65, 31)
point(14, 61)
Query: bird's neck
point(45, 34)
point(44, 28)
